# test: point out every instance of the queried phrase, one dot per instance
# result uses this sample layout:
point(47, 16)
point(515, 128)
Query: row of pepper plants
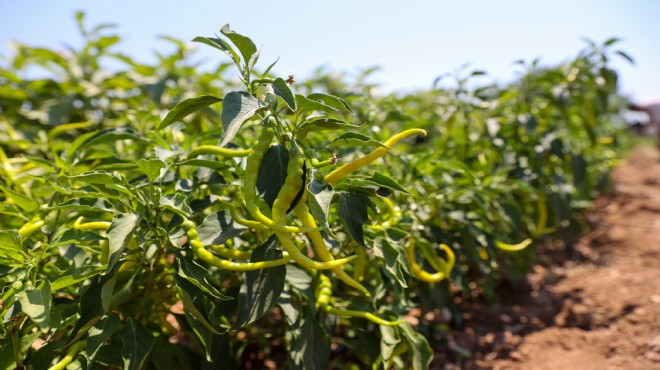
point(166, 216)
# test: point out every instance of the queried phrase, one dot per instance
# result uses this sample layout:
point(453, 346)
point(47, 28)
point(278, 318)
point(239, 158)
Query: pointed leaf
point(272, 173)
point(11, 245)
point(119, 234)
point(331, 100)
point(137, 345)
point(176, 203)
point(281, 89)
point(305, 104)
point(245, 46)
point(237, 107)
point(219, 227)
point(37, 305)
point(26, 203)
point(311, 348)
point(186, 108)
point(319, 198)
point(101, 333)
point(353, 212)
point(151, 167)
point(197, 275)
point(356, 140)
point(220, 45)
point(261, 288)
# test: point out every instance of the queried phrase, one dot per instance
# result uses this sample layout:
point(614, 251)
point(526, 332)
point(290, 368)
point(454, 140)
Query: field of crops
point(171, 217)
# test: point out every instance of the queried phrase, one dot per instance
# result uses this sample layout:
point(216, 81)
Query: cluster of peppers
point(293, 198)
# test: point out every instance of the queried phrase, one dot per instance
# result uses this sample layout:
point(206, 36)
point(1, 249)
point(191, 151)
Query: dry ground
point(595, 305)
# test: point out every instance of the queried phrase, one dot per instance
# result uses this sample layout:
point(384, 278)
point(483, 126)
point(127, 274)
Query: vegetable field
point(169, 216)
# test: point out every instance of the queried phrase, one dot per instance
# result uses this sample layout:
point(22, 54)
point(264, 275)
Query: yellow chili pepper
point(323, 293)
point(231, 253)
point(30, 227)
point(348, 168)
point(208, 257)
point(70, 356)
point(224, 152)
point(96, 225)
point(513, 247)
point(422, 275)
point(302, 212)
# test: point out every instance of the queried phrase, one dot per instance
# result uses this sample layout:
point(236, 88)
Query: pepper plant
point(168, 218)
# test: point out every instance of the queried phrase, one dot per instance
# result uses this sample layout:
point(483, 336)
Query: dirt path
point(600, 309)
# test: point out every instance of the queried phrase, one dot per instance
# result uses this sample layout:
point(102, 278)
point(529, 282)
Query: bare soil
point(594, 304)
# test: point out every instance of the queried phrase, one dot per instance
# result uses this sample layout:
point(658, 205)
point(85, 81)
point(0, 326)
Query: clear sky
point(413, 41)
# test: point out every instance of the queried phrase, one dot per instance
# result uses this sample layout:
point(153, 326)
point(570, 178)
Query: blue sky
point(412, 41)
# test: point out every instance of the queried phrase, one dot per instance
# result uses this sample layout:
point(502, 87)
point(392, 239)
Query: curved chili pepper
point(333, 177)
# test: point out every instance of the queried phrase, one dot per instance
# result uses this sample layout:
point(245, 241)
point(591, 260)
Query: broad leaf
point(245, 46)
point(26, 203)
point(151, 168)
point(305, 104)
point(219, 44)
point(219, 227)
point(281, 89)
point(111, 135)
point(331, 100)
point(356, 140)
point(197, 275)
point(319, 197)
point(186, 108)
point(422, 354)
point(261, 288)
point(100, 333)
point(176, 203)
point(137, 344)
point(311, 348)
point(353, 212)
point(37, 305)
point(74, 276)
point(272, 173)
point(237, 107)
point(97, 177)
point(119, 234)
point(396, 262)
point(11, 245)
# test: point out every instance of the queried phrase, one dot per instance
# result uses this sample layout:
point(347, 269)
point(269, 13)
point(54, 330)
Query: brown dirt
point(592, 305)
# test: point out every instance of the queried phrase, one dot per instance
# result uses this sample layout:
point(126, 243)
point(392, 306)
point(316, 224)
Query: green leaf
point(101, 333)
point(90, 307)
point(98, 177)
point(151, 168)
point(389, 339)
point(119, 234)
point(11, 246)
point(26, 203)
point(37, 305)
point(186, 108)
point(214, 165)
point(220, 45)
point(422, 354)
point(190, 295)
point(331, 100)
point(197, 275)
point(7, 358)
point(237, 108)
point(261, 288)
point(112, 135)
point(310, 350)
point(281, 89)
point(625, 56)
point(323, 124)
point(137, 344)
point(245, 46)
point(378, 180)
point(305, 104)
point(356, 140)
point(176, 203)
point(319, 198)
point(74, 276)
point(396, 262)
point(87, 204)
point(272, 173)
point(218, 227)
point(353, 212)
